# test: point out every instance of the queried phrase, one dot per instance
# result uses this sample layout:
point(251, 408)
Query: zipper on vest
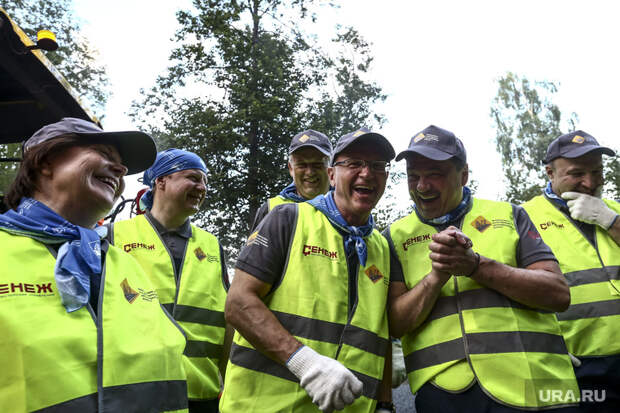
point(462, 323)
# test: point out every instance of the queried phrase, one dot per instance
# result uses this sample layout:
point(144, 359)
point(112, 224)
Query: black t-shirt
point(175, 239)
point(530, 249)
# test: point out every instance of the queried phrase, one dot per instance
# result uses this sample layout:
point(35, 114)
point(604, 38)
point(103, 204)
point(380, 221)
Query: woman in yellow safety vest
point(82, 329)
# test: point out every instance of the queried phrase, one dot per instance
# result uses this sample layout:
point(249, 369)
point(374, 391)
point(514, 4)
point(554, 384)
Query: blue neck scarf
point(354, 238)
point(290, 193)
point(168, 162)
point(451, 216)
point(79, 256)
point(561, 203)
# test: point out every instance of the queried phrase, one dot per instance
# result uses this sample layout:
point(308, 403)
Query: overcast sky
point(437, 61)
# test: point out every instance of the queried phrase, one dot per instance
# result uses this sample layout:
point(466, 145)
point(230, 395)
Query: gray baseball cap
point(311, 138)
point(137, 149)
point(435, 143)
point(574, 145)
point(384, 147)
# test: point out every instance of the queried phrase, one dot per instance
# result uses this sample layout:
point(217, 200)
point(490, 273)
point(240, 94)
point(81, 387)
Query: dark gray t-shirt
point(530, 249)
point(264, 255)
point(176, 241)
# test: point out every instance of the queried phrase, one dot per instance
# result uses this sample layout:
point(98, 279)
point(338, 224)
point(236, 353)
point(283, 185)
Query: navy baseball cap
point(137, 149)
point(437, 144)
point(574, 145)
point(383, 146)
point(312, 139)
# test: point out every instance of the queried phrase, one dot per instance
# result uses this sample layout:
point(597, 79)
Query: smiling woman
point(59, 275)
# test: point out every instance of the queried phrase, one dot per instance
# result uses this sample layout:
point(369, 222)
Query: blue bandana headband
point(79, 256)
point(451, 216)
point(354, 238)
point(166, 163)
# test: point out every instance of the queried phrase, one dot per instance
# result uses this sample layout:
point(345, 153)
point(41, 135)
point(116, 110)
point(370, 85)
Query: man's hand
point(330, 385)
point(451, 252)
point(589, 209)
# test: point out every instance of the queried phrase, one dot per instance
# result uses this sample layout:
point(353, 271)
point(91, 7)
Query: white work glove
point(589, 209)
point(330, 385)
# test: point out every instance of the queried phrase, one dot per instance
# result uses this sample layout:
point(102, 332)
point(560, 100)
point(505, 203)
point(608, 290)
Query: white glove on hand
point(589, 209)
point(330, 385)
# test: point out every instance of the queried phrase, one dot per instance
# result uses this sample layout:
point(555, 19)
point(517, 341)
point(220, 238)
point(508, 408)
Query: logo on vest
point(373, 273)
point(148, 295)
point(481, 223)
point(201, 255)
point(130, 293)
point(416, 240)
point(550, 224)
point(137, 245)
point(26, 289)
point(321, 252)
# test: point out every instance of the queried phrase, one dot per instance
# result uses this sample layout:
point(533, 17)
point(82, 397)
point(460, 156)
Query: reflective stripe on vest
point(278, 200)
point(197, 304)
point(84, 363)
point(590, 325)
point(497, 336)
point(311, 302)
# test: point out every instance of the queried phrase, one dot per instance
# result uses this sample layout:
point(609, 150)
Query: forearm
point(257, 324)
point(408, 310)
point(538, 286)
point(614, 231)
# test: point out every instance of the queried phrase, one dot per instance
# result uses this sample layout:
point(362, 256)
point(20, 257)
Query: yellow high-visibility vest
point(591, 323)
point(126, 358)
point(311, 302)
point(196, 301)
point(278, 200)
point(475, 333)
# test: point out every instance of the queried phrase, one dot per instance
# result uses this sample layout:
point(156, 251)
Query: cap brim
point(581, 151)
point(427, 152)
point(311, 145)
point(577, 152)
point(137, 149)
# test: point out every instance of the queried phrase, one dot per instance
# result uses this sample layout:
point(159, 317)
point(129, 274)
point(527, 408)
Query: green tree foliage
point(75, 58)
point(246, 78)
point(526, 120)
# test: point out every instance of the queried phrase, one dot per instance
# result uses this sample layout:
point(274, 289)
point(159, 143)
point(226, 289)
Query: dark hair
point(25, 182)
point(458, 163)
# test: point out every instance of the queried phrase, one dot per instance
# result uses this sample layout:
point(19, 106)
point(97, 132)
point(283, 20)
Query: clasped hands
point(452, 254)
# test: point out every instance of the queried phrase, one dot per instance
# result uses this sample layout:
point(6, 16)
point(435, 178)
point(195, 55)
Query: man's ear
point(549, 170)
point(290, 170)
point(160, 183)
point(331, 174)
point(465, 176)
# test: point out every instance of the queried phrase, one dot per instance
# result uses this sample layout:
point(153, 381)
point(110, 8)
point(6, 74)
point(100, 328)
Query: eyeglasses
point(358, 164)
